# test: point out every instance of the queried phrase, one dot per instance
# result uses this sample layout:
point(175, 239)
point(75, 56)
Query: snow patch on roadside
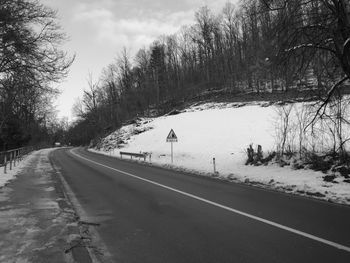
point(11, 174)
point(222, 131)
point(32, 223)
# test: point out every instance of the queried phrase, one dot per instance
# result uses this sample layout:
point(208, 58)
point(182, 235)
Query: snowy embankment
point(11, 174)
point(221, 131)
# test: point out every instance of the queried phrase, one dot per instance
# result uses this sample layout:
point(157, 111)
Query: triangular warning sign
point(171, 136)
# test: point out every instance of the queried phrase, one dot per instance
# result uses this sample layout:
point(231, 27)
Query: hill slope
point(222, 131)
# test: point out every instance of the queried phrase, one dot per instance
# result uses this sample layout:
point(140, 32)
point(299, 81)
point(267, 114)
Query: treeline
point(258, 46)
point(30, 62)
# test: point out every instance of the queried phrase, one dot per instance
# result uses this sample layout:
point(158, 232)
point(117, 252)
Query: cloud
point(134, 32)
point(99, 29)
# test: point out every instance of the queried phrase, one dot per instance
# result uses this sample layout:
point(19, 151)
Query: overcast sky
point(99, 29)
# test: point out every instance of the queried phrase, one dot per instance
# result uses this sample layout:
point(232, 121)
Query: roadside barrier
point(139, 155)
point(12, 157)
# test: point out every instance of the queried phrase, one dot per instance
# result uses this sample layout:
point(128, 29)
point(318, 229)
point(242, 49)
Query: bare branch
point(326, 101)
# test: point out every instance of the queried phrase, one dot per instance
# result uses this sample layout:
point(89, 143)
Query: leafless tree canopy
point(30, 61)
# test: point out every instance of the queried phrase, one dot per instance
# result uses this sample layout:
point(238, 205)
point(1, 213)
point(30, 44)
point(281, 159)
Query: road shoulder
point(37, 221)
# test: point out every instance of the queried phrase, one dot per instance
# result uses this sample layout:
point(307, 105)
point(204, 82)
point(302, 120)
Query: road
point(150, 214)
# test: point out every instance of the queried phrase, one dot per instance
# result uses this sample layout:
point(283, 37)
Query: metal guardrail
point(11, 157)
point(139, 155)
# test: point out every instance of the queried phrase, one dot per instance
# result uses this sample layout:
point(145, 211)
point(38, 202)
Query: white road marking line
point(271, 223)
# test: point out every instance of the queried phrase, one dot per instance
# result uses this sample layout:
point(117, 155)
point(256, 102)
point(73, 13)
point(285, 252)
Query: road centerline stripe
point(268, 222)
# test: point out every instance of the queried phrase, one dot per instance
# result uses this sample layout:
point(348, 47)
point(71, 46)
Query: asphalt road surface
point(150, 214)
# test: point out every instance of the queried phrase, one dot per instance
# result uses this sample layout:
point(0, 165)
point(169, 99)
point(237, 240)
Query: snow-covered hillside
point(220, 131)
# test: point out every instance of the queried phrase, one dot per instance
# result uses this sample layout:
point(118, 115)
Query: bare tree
point(314, 28)
point(30, 60)
point(283, 127)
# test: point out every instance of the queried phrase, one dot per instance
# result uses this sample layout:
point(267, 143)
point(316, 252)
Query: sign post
point(171, 138)
point(172, 156)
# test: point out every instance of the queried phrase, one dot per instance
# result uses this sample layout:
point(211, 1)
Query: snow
point(346, 42)
point(221, 131)
point(33, 224)
point(299, 46)
point(11, 174)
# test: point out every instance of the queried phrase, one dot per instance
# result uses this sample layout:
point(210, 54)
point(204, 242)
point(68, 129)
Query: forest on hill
point(256, 47)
